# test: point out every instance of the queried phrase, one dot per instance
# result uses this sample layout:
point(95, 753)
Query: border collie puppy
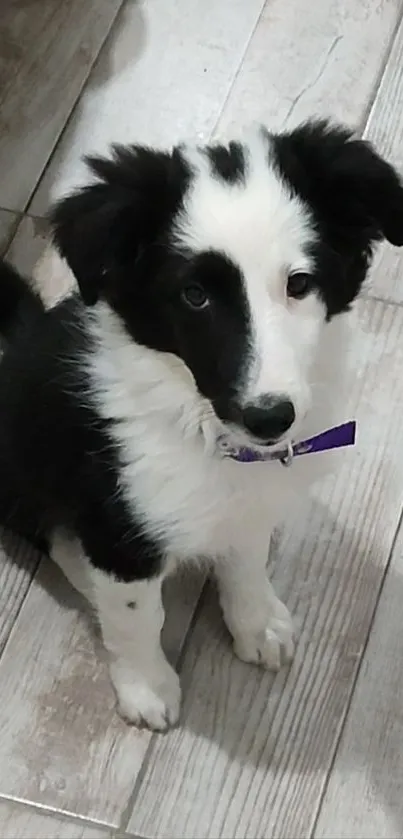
point(213, 286)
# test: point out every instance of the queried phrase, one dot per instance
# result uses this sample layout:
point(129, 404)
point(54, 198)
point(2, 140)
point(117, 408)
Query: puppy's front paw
point(272, 644)
point(152, 700)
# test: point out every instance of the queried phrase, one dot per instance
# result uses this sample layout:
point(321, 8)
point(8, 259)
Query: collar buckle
point(288, 457)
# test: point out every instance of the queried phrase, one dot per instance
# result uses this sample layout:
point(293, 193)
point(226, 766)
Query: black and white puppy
point(215, 284)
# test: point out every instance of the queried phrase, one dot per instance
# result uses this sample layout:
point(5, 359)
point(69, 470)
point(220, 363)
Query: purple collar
point(334, 438)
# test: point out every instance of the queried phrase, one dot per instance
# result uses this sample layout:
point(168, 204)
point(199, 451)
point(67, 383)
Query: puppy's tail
point(18, 302)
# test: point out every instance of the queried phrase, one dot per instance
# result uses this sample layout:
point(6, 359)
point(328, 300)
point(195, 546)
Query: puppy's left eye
point(195, 296)
point(299, 285)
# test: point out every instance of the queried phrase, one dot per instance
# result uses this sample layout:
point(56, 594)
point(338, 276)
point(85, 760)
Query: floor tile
point(20, 822)
point(45, 59)
point(364, 795)
point(62, 744)
point(312, 58)
point(163, 75)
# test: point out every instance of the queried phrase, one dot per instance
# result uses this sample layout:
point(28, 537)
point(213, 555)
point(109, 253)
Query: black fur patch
point(58, 463)
point(104, 228)
point(17, 307)
point(228, 162)
point(355, 199)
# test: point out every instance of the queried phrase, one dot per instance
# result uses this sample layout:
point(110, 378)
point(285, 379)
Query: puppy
point(214, 289)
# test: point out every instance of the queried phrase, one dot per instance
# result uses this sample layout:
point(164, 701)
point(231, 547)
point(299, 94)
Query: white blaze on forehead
point(257, 223)
point(266, 231)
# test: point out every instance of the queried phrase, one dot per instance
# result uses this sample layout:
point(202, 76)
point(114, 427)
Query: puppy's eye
point(195, 297)
point(299, 285)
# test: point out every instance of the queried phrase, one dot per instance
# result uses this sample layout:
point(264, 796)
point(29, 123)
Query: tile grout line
point(73, 110)
point(378, 299)
point(50, 812)
point(10, 212)
point(239, 68)
point(382, 72)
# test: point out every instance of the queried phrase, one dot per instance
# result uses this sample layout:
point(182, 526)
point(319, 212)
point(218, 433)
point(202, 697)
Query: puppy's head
point(234, 257)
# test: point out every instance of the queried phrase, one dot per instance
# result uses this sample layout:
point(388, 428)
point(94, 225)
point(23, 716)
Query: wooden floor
point(316, 751)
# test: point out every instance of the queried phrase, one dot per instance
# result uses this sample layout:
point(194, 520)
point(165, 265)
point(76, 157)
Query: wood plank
point(8, 224)
point(44, 61)
point(20, 822)
point(307, 59)
point(18, 563)
point(62, 745)
point(253, 751)
point(364, 796)
point(385, 129)
point(173, 64)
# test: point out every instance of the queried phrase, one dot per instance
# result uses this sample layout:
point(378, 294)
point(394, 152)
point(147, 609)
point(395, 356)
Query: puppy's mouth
point(224, 425)
point(237, 436)
point(232, 426)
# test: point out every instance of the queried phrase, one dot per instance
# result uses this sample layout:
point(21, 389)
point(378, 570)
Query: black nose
point(269, 418)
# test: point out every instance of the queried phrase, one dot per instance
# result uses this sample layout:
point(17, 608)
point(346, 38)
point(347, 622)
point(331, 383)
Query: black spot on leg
point(131, 604)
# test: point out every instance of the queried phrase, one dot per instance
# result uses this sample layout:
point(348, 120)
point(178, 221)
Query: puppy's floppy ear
point(107, 224)
point(351, 185)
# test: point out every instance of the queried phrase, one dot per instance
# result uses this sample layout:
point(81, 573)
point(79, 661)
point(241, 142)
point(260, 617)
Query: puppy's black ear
point(353, 188)
point(107, 224)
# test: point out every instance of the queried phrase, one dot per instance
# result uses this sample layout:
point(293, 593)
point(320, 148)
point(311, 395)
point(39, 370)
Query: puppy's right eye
point(299, 285)
point(195, 296)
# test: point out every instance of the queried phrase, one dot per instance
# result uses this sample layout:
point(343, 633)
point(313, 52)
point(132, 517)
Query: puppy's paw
point(145, 699)
point(270, 645)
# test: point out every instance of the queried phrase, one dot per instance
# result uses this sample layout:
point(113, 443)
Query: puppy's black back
point(59, 463)
point(18, 303)
point(46, 426)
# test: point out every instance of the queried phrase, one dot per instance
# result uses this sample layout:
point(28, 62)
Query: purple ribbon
point(334, 438)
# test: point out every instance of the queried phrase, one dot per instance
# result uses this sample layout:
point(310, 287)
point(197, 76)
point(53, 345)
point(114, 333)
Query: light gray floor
point(316, 751)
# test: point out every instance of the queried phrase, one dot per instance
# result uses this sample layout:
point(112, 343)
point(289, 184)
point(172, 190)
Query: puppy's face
point(234, 258)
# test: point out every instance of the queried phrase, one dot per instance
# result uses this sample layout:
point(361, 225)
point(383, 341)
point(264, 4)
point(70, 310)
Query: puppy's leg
point(259, 622)
point(131, 616)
